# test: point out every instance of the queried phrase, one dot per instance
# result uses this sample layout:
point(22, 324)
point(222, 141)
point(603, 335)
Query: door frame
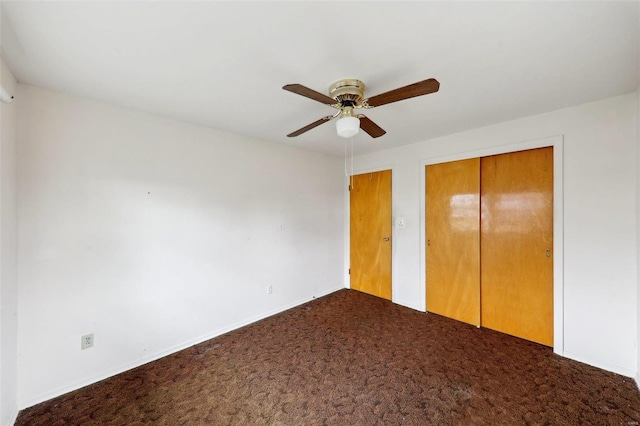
point(557, 142)
point(347, 226)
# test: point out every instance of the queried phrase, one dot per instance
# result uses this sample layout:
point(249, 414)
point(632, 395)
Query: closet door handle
point(548, 252)
point(386, 239)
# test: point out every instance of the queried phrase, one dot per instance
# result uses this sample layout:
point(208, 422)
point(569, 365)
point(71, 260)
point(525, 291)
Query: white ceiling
point(223, 64)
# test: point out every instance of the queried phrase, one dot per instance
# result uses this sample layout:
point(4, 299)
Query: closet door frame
point(557, 142)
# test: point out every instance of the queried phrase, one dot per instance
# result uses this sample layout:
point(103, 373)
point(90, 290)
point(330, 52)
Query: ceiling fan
point(347, 95)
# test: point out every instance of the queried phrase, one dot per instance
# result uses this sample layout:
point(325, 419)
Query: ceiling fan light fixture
point(348, 126)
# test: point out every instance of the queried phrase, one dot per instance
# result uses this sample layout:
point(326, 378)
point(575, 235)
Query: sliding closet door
point(370, 235)
point(453, 239)
point(517, 244)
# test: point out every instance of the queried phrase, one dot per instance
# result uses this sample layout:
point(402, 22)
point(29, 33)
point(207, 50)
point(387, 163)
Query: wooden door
point(370, 216)
point(517, 244)
point(453, 239)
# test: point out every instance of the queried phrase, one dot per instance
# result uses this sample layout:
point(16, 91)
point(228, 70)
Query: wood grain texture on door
point(517, 244)
point(453, 239)
point(370, 233)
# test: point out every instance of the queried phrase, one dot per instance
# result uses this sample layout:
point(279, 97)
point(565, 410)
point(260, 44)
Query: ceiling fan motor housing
point(348, 92)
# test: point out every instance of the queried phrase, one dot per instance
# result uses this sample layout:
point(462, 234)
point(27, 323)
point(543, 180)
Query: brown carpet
point(353, 359)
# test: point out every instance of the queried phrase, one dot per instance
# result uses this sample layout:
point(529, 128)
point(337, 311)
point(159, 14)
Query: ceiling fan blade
point(310, 126)
point(370, 127)
point(309, 93)
point(411, 91)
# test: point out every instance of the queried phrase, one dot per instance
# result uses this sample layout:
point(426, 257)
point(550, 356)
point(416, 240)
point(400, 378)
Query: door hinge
point(349, 187)
point(349, 271)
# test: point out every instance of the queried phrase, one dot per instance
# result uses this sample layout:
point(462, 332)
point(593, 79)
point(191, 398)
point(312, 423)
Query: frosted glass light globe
point(348, 126)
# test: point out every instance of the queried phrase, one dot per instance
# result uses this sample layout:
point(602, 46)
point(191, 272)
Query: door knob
point(548, 252)
point(386, 238)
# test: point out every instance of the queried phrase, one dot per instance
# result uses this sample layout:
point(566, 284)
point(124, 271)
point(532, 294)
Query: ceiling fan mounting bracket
point(347, 91)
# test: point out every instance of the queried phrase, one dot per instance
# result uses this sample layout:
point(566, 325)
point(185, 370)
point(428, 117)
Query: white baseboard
point(173, 349)
point(603, 365)
point(409, 305)
point(13, 417)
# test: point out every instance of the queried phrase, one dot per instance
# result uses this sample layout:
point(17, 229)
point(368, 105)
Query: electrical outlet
point(269, 289)
point(86, 341)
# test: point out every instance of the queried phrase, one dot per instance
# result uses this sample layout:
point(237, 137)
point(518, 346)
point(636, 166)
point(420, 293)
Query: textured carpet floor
point(353, 359)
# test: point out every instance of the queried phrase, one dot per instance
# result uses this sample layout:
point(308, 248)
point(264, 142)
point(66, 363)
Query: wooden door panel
point(453, 239)
point(370, 233)
point(516, 244)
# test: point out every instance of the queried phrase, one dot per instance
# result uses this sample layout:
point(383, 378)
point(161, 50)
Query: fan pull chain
point(346, 172)
point(352, 185)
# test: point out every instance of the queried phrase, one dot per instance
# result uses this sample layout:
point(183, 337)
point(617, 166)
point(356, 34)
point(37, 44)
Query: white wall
point(156, 234)
point(599, 221)
point(638, 227)
point(638, 211)
point(8, 253)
